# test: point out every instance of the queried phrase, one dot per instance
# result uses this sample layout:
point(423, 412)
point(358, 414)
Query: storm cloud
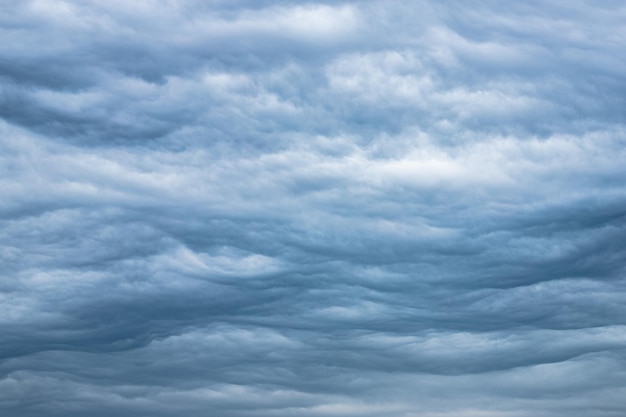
point(317, 208)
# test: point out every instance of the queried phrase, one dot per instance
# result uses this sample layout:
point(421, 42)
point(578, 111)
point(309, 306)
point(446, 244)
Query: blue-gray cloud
point(274, 208)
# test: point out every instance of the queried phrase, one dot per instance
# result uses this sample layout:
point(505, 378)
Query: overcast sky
point(255, 208)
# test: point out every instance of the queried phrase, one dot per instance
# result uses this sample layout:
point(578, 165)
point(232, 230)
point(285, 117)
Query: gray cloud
point(273, 208)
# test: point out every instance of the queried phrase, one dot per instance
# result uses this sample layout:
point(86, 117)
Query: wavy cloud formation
point(273, 208)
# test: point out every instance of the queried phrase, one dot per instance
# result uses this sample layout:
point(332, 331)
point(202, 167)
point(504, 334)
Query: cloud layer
point(272, 208)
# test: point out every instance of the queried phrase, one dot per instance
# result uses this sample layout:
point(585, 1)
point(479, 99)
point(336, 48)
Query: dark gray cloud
point(274, 208)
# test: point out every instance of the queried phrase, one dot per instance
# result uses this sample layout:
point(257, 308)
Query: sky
point(255, 208)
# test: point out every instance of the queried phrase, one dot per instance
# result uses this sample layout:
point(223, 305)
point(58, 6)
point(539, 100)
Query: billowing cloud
point(315, 208)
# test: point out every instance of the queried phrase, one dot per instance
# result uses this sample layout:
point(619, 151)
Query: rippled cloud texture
point(263, 208)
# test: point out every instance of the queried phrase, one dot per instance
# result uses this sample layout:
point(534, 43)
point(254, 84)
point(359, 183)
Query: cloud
point(317, 209)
